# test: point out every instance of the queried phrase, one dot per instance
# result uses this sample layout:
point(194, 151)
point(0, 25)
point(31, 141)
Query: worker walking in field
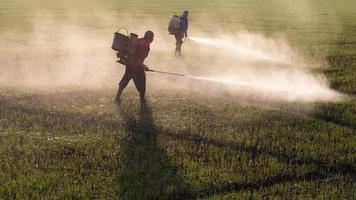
point(178, 26)
point(135, 68)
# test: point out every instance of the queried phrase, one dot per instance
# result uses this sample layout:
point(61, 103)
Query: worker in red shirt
point(136, 69)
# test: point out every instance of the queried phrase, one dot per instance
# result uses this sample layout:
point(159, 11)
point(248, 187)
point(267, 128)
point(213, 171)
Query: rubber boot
point(142, 97)
point(118, 95)
point(178, 49)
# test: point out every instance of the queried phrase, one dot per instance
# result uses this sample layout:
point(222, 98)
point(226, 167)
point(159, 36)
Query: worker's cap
point(149, 35)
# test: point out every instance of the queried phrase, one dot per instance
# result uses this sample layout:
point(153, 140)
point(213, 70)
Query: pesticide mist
point(253, 66)
point(242, 66)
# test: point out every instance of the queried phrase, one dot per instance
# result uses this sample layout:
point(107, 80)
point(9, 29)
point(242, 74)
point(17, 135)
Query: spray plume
point(62, 54)
point(253, 65)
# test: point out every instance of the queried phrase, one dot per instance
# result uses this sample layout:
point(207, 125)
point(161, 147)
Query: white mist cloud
point(253, 66)
point(66, 54)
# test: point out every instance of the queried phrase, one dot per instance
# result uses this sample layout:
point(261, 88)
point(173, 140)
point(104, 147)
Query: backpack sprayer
point(126, 46)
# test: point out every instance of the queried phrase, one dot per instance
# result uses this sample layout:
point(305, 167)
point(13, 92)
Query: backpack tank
point(125, 46)
point(174, 25)
point(132, 44)
point(119, 42)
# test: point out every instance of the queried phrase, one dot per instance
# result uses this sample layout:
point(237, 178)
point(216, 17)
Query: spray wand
point(162, 72)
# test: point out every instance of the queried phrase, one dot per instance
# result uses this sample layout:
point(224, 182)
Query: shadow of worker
point(145, 171)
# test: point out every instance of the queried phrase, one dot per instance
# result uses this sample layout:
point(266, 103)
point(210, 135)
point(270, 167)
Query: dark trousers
point(139, 78)
point(179, 42)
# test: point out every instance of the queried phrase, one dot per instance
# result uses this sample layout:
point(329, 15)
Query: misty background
point(241, 50)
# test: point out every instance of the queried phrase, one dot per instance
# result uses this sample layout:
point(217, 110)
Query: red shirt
point(143, 48)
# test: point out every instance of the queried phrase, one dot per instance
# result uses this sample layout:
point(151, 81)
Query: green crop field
point(77, 144)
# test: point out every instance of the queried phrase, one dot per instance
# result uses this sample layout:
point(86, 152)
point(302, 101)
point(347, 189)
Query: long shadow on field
point(146, 172)
point(324, 169)
point(335, 119)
